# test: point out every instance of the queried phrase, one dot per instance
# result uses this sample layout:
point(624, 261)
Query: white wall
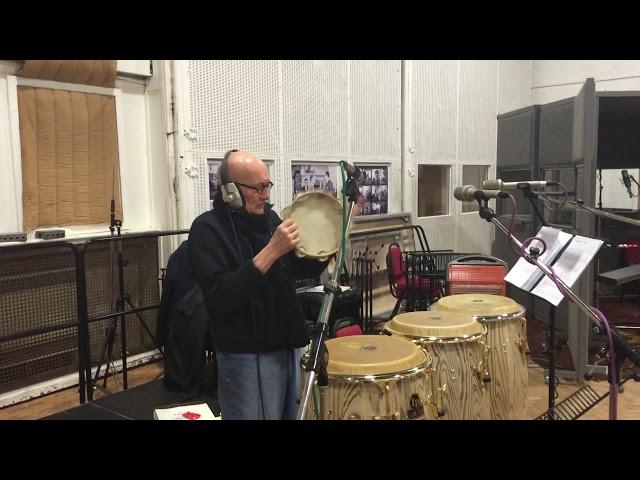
point(10, 217)
point(514, 84)
point(557, 79)
point(454, 108)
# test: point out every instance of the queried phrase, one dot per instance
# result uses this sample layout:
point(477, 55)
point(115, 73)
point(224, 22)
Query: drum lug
point(481, 373)
point(355, 416)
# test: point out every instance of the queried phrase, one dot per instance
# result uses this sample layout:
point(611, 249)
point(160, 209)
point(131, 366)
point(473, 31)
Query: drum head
point(372, 355)
point(478, 305)
point(319, 219)
point(435, 324)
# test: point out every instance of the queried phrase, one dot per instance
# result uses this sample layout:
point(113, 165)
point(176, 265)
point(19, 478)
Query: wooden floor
point(69, 398)
point(538, 397)
point(628, 400)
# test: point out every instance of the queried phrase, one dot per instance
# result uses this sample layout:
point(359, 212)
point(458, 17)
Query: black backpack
point(184, 330)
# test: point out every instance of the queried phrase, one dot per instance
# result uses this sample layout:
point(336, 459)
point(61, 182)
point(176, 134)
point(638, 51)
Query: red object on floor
point(191, 415)
point(348, 331)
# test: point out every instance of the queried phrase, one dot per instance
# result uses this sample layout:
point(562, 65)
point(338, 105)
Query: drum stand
point(621, 348)
point(316, 363)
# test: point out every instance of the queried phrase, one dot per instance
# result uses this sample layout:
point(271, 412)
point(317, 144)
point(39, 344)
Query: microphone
point(469, 193)
point(500, 185)
point(627, 182)
point(353, 172)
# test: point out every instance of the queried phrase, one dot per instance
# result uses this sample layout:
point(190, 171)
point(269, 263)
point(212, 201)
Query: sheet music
point(568, 267)
point(320, 289)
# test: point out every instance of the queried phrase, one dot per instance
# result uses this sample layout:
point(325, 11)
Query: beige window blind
point(69, 145)
point(69, 157)
point(85, 72)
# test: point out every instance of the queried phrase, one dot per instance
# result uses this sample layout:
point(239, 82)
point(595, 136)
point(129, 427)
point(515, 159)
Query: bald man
point(243, 259)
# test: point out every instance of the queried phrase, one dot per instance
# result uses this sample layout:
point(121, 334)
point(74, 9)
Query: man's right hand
point(285, 238)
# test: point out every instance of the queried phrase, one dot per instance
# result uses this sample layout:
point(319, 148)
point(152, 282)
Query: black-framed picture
point(309, 177)
point(213, 164)
point(373, 198)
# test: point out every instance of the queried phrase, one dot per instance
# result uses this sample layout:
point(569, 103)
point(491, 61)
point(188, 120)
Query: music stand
point(622, 350)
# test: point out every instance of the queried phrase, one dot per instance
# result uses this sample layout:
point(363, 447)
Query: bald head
point(246, 166)
point(238, 164)
point(248, 172)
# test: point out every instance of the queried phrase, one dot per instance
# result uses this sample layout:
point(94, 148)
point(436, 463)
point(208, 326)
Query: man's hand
point(285, 238)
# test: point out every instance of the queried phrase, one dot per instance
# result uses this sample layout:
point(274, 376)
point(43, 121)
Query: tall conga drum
point(456, 341)
point(376, 377)
point(507, 342)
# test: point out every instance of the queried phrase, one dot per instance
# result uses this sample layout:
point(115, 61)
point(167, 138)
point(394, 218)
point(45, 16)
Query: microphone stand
point(635, 181)
point(532, 196)
point(622, 349)
point(316, 364)
point(123, 300)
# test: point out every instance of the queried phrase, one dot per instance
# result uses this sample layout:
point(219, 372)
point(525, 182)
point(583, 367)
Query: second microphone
point(469, 193)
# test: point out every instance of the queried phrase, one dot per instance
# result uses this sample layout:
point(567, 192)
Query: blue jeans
point(255, 386)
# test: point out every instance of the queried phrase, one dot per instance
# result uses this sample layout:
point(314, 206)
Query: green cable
point(316, 411)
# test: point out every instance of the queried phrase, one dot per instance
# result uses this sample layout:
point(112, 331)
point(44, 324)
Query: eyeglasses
point(261, 187)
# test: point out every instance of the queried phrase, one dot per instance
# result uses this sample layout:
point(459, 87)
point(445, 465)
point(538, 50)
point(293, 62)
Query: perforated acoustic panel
point(287, 110)
point(315, 107)
point(478, 108)
point(234, 104)
point(375, 96)
point(201, 181)
point(434, 103)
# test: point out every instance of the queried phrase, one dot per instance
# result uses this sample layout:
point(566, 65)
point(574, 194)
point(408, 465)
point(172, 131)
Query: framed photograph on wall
point(213, 164)
point(309, 177)
point(374, 192)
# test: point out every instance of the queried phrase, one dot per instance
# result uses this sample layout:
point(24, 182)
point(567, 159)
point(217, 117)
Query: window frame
point(416, 202)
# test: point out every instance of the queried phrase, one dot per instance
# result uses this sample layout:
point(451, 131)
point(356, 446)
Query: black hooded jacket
point(250, 312)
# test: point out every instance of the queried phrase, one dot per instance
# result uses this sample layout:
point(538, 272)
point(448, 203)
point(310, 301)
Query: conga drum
point(456, 342)
point(376, 377)
point(507, 342)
